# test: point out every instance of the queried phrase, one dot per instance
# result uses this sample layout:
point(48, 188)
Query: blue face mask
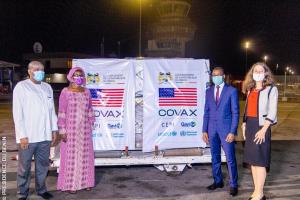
point(38, 75)
point(217, 80)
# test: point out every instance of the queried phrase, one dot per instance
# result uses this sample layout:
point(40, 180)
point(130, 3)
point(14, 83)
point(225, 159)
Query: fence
point(289, 86)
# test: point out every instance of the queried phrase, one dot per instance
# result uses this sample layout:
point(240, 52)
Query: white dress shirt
point(33, 111)
point(220, 90)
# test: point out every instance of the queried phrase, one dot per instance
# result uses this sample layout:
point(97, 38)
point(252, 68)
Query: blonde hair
point(249, 83)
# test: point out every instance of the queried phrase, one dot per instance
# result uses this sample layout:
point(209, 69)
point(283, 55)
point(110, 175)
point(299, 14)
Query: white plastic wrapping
point(174, 95)
point(140, 122)
point(112, 85)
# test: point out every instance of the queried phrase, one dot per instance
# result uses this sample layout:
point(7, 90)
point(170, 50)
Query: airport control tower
point(168, 36)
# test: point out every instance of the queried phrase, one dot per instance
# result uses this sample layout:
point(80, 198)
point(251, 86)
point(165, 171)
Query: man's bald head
point(35, 65)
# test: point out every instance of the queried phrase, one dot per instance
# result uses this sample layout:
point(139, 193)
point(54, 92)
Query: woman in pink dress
point(75, 121)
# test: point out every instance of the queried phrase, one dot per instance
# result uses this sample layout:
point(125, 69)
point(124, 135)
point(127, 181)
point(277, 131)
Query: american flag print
point(107, 97)
point(177, 96)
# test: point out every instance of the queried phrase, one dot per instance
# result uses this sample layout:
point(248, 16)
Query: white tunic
point(33, 111)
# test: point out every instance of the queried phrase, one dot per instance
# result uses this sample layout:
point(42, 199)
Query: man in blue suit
point(220, 122)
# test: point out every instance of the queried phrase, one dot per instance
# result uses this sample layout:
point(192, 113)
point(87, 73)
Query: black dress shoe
point(22, 198)
point(233, 191)
point(215, 186)
point(46, 195)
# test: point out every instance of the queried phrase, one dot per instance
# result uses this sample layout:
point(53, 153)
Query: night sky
point(273, 26)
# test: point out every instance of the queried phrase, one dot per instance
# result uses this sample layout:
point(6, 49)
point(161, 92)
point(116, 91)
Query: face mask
point(78, 80)
point(217, 80)
point(258, 77)
point(38, 75)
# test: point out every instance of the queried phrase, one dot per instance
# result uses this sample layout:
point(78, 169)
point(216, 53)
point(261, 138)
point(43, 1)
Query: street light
point(140, 30)
point(284, 98)
point(265, 59)
point(287, 70)
point(247, 46)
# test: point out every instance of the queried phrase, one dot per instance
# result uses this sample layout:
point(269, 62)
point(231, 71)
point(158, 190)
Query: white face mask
point(258, 77)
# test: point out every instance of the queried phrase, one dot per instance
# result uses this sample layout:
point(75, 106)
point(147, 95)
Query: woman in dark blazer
point(259, 115)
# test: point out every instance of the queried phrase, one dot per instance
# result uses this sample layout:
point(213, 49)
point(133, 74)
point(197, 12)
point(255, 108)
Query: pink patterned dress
point(75, 119)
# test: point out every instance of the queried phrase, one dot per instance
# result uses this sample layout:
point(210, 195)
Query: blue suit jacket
point(224, 117)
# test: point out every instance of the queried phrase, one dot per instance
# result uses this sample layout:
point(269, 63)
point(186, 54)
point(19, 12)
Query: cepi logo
point(167, 124)
point(188, 124)
point(114, 126)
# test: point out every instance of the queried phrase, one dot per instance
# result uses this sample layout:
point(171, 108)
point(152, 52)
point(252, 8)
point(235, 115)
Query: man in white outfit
point(35, 126)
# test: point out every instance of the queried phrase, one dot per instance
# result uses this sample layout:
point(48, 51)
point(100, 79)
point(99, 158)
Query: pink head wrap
point(72, 71)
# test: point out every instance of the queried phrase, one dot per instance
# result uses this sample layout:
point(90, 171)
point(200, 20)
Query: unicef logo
point(188, 124)
point(172, 134)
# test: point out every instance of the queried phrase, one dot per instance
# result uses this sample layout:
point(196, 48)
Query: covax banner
point(112, 86)
point(174, 95)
